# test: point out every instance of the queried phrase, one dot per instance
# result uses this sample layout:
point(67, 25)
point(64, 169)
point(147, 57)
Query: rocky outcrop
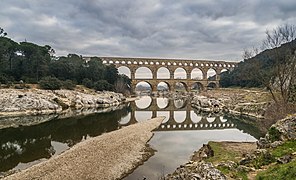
point(14, 102)
point(204, 152)
point(196, 170)
point(279, 132)
point(207, 104)
point(285, 129)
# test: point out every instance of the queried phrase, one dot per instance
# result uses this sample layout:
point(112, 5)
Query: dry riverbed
point(109, 156)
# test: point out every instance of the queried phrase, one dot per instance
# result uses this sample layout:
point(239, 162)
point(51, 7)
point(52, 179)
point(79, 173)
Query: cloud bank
point(203, 29)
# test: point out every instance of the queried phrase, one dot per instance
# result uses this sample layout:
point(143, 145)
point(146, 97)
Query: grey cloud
point(158, 28)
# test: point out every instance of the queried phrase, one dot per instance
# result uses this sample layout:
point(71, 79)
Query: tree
point(283, 72)
point(123, 84)
point(111, 74)
point(2, 32)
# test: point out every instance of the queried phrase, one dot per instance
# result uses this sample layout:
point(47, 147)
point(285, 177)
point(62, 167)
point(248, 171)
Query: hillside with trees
point(274, 68)
point(27, 62)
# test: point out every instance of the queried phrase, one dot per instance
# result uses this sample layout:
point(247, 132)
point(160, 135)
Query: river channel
point(183, 131)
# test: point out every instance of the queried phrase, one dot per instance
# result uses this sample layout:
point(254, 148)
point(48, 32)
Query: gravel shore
point(109, 156)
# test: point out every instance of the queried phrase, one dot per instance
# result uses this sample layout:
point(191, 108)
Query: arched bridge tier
point(171, 65)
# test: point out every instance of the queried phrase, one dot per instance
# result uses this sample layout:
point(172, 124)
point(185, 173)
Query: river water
point(183, 131)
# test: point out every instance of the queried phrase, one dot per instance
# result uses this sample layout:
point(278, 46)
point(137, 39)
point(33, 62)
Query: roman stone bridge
point(171, 66)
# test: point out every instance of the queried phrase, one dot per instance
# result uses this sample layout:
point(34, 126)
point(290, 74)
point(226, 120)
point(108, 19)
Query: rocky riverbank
point(271, 157)
point(238, 102)
point(14, 102)
point(109, 156)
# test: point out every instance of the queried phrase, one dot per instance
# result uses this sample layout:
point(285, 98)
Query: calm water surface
point(183, 131)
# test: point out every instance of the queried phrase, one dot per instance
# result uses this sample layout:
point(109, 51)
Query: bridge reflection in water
point(178, 112)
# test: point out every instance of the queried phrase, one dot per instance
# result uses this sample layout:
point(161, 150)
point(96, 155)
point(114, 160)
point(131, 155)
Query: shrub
point(50, 83)
point(103, 85)
point(68, 84)
point(4, 79)
point(87, 83)
point(274, 134)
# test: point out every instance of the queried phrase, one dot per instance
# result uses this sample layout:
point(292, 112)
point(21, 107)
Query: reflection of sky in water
point(222, 119)
point(175, 148)
point(194, 117)
point(179, 103)
point(144, 102)
point(125, 120)
point(143, 115)
point(56, 149)
point(211, 119)
point(162, 102)
point(164, 113)
point(179, 116)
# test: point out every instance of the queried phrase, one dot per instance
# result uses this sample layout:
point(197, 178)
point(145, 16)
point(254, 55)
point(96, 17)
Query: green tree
point(36, 60)
point(111, 74)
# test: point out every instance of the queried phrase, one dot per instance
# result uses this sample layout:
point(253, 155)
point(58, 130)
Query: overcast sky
point(201, 29)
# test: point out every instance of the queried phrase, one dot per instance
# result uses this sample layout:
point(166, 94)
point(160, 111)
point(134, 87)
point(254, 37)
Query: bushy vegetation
point(274, 134)
point(33, 64)
point(50, 83)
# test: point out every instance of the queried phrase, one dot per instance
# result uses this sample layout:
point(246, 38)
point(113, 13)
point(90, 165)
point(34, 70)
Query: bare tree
point(284, 67)
point(249, 53)
point(2, 32)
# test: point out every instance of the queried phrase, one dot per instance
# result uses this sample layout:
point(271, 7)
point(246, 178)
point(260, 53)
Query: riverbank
point(109, 156)
point(21, 102)
point(272, 157)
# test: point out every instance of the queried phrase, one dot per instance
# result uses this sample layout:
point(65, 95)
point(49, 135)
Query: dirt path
point(108, 156)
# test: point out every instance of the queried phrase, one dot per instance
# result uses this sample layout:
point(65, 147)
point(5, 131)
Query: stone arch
point(180, 73)
point(143, 73)
point(163, 73)
point(124, 70)
point(163, 86)
point(181, 86)
point(211, 74)
point(143, 86)
point(197, 86)
point(212, 85)
point(197, 74)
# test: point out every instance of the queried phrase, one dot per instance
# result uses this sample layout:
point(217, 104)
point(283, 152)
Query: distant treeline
point(252, 71)
point(30, 63)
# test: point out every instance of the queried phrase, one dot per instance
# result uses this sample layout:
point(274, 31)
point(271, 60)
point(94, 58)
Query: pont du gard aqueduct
point(171, 65)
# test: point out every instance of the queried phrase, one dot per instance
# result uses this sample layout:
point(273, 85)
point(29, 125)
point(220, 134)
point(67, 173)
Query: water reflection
point(178, 136)
point(179, 115)
point(183, 131)
point(23, 145)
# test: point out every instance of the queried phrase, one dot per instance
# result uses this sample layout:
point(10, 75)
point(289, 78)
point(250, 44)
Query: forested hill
point(30, 63)
point(256, 71)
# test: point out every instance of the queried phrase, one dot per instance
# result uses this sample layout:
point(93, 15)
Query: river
point(183, 131)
